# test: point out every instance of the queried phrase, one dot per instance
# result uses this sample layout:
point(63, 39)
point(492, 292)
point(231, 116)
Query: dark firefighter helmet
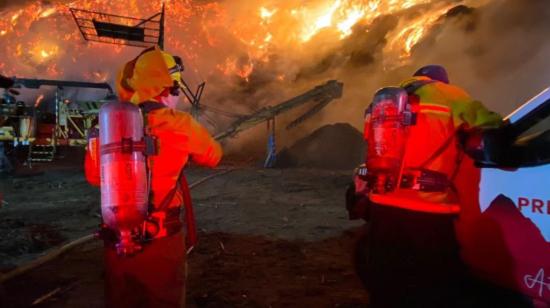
point(435, 72)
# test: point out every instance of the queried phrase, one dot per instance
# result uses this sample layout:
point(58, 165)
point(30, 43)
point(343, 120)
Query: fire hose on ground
point(83, 240)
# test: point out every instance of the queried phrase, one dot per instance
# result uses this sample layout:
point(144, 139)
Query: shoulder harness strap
point(412, 87)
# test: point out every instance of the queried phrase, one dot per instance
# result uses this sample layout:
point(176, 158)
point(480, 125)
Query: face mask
point(170, 101)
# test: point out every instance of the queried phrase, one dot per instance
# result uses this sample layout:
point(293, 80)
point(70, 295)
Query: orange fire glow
point(38, 37)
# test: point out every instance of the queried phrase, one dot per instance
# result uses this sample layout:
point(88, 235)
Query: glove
point(470, 139)
point(485, 145)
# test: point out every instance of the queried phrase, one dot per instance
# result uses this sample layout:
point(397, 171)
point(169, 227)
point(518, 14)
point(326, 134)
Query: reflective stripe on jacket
point(441, 109)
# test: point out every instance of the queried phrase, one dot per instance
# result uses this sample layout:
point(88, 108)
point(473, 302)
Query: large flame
point(406, 37)
point(40, 38)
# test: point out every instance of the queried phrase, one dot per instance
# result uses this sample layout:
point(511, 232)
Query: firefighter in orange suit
point(155, 276)
point(411, 237)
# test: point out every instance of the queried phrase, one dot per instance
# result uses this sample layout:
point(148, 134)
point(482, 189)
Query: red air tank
point(387, 135)
point(123, 172)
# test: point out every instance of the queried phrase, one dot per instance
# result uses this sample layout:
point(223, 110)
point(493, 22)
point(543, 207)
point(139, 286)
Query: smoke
point(258, 53)
point(6, 3)
point(497, 52)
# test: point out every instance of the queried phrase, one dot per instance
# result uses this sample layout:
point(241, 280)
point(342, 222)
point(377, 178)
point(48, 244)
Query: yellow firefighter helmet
point(148, 75)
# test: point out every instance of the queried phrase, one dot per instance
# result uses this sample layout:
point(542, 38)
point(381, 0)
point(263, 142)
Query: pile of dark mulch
point(337, 146)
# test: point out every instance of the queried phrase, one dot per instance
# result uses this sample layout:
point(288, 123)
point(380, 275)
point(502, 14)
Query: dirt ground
point(268, 237)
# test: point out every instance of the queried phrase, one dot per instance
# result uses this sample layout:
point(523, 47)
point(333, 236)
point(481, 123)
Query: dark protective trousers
point(414, 259)
point(154, 277)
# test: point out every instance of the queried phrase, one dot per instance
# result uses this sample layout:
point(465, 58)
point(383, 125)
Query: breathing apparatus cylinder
point(123, 173)
point(386, 129)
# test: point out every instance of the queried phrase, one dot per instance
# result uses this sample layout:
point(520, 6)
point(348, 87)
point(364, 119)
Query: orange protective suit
point(159, 269)
point(155, 277)
point(180, 137)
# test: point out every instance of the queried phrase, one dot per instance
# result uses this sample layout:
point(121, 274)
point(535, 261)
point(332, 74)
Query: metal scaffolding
point(120, 30)
point(131, 31)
